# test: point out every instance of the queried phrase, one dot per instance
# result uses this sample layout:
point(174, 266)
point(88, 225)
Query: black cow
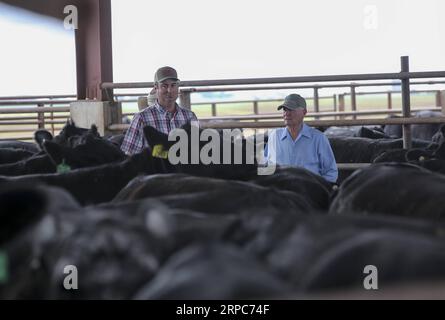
point(214, 271)
point(73, 147)
point(301, 249)
point(439, 136)
point(115, 253)
point(362, 150)
point(310, 186)
point(21, 145)
point(372, 133)
point(394, 189)
point(10, 155)
point(117, 139)
point(397, 256)
point(356, 131)
point(431, 158)
point(22, 204)
point(418, 131)
point(97, 184)
point(115, 250)
point(246, 169)
point(68, 136)
point(212, 196)
point(89, 151)
point(29, 223)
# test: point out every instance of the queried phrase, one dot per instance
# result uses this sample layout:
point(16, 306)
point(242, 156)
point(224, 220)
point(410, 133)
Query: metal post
point(213, 109)
point(389, 100)
point(94, 59)
point(184, 99)
point(353, 101)
point(334, 97)
point(52, 119)
point(406, 103)
point(442, 101)
point(316, 102)
point(438, 99)
point(255, 108)
point(40, 117)
point(341, 104)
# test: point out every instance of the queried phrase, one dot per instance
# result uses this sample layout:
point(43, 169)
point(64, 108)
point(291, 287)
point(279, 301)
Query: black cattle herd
point(138, 227)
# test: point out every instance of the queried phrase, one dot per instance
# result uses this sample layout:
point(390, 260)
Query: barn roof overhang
point(93, 40)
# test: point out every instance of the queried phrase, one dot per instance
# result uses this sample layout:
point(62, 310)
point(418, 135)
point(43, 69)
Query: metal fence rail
point(315, 123)
point(316, 83)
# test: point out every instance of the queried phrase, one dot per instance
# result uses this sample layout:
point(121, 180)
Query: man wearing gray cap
point(300, 145)
point(165, 114)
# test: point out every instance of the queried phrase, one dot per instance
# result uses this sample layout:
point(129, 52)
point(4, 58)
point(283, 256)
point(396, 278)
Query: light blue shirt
point(311, 150)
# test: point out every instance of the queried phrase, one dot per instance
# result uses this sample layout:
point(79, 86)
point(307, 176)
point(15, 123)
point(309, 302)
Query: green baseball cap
point(293, 101)
point(165, 73)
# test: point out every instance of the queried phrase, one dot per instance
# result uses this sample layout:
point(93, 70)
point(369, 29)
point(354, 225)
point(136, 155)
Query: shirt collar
point(305, 131)
point(162, 110)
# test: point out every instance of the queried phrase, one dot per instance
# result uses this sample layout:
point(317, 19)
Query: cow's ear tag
point(159, 152)
point(63, 167)
point(3, 268)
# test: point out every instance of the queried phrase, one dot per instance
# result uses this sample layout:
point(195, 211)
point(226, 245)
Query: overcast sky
point(206, 39)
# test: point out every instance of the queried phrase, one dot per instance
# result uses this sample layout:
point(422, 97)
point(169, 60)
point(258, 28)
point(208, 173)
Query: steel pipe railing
point(315, 123)
point(251, 81)
point(266, 116)
point(34, 110)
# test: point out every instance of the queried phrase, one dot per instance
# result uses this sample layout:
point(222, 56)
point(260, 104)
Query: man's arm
point(193, 117)
point(134, 140)
point(329, 169)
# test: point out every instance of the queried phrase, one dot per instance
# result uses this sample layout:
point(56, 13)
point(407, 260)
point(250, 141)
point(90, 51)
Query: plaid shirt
point(155, 116)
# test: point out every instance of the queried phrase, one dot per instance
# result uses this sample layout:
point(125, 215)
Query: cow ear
point(40, 136)
point(440, 152)
point(22, 205)
point(155, 137)
point(54, 151)
point(94, 130)
point(187, 126)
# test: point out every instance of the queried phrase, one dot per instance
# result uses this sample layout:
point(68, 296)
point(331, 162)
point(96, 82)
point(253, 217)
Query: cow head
point(87, 151)
point(204, 152)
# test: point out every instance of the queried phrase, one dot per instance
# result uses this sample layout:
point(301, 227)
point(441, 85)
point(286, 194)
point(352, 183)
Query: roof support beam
point(94, 60)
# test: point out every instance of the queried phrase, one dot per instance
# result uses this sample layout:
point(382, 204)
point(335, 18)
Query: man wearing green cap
point(300, 145)
point(165, 114)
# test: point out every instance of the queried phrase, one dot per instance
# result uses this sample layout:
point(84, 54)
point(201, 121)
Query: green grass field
point(364, 102)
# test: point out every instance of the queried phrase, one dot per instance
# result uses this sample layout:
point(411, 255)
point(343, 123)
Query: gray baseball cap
point(293, 101)
point(165, 73)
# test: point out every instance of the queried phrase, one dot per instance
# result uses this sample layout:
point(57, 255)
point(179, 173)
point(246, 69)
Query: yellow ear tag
point(159, 152)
